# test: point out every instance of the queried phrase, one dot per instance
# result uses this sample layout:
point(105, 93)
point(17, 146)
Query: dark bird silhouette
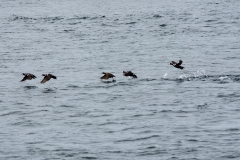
point(129, 74)
point(28, 76)
point(47, 77)
point(177, 65)
point(107, 75)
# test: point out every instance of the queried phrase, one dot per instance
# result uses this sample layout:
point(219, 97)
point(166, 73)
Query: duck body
point(107, 75)
point(177, 65)
point(129, 74)
point(28, 76)
point(47, 77)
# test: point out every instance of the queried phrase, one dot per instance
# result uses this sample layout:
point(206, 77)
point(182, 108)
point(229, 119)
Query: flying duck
point(28, 76)
point(129, 74)
point(177, 65)
point(47, 77)
point(107, 75)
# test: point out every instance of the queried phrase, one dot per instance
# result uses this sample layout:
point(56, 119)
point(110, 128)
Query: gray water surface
point(166, 113)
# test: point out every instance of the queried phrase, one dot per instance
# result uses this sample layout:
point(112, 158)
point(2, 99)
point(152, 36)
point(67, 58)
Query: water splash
point(223, 78)
point(165, 75)
point(182, 77)
point(200, 72)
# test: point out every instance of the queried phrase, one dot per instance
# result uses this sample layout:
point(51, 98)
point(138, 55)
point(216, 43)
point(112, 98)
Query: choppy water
point(166, 113)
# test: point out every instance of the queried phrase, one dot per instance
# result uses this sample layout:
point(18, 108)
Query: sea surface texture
point(166, 113)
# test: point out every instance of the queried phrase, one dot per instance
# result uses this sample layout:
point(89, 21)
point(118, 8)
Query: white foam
point(165, 75)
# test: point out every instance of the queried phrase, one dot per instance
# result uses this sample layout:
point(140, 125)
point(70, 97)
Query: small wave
point(49, 90)
point(89, 157)
point(15, 17)
point(75, 23)
point(69, 30)
point(3, 66)
point(178, 111)
point(79, 17)
point(236, 79)
point(131, 23)
point(233, 129)
point(151, 147)
point(66, 106)
point(73, 86)
point(148, 79)
point(229, 95)
point(166, 111)
point(163, 25)
point(114, 151)
point(202, 106)
point(84, 17)
point(193, 140)
point(181, 111)
point(157, 16)
point(138, 139)
point(210, 20)
point(46, 19)
point(107, 123)
point(10, 113)
point(30, 87)
point(230, 156)
point(140, 115)
point(154, 152)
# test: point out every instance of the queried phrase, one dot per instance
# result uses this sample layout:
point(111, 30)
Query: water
point(166, 113)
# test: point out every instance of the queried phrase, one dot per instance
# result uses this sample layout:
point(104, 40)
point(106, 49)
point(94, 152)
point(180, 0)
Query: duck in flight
point(107, 75)
point(47, 77)
point(177, 65)
point(28, 76)
point(129, 74)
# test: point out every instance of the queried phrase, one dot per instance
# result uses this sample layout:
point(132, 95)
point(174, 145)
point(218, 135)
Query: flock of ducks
point(29, 76)
point(47, 77)
point(125, 73)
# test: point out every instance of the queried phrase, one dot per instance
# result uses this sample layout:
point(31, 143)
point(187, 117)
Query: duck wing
point(45, 79)
point(134, 76)
point(173, 63)
point(54, 77)
point(180, 62)
point(32, 76)
point(110, 75)
point(24, 78)
point(105, 76)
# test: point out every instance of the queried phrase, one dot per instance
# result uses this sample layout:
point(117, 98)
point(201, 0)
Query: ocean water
point(166, 113)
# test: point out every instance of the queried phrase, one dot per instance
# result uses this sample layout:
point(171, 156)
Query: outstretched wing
point(134, 76)
point(180, 62)
point(45, 79)
point(130, 73)
point(105, 76)
point(54, 77)
point(110, 75)
point(173, 63)
point(24, 78)
point(33, 76)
